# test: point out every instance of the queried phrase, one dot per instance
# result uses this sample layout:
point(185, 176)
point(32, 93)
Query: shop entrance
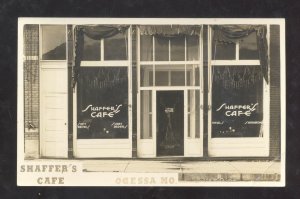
point(170, 123)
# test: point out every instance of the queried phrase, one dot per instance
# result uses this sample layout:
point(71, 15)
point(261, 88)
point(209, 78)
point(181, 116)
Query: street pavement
point(187, 170)
point(193, 170)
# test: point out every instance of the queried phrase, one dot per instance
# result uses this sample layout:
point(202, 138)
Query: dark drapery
point(95, 32)
point(170, 30)
point(234, 33)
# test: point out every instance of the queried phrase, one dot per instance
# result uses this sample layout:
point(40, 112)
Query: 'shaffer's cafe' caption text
point(53, 174)
point(49, 168)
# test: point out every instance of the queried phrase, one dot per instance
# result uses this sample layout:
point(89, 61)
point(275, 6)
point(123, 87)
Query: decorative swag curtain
point(234, 33)
point(170, 30)
point(96, 32)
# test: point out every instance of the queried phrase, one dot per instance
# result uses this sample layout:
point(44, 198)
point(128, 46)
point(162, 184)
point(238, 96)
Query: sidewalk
point(193, 170)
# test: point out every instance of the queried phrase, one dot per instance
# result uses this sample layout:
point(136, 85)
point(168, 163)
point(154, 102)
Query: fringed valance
point(234, 33)
point(170, 30)
point(95, 32)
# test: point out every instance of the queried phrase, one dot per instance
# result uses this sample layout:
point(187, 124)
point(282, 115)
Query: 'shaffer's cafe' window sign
point(237, 101)
point(102, 102)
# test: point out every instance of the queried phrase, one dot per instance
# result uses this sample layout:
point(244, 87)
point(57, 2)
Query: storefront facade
point(151, 91)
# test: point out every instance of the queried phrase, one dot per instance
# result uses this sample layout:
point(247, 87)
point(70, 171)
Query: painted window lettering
point(238, 110)
point(103, 111)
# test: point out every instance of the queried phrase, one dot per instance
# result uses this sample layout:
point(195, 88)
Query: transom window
point(160, 48)
point(112, 48)
point(53, 42)
point(244, 49)
point(169, 61)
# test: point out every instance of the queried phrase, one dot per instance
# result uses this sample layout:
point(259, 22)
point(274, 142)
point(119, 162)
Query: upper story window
point(169, 55)
point(53, 45)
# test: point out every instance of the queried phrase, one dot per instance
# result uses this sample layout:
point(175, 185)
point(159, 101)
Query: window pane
point(177, 78)
point(237, 101)
point(223, 51)
point(146, 75)
point(248, 47)
point(161, 78)
point(161, 49)
point(115, 48)
point(146, 114)
point(194, 113)
point(146, 48)
point(192, 51)
point(177, 48)
point(91, 49)
point(193, 74)
point(54, 42)
point(102, 103)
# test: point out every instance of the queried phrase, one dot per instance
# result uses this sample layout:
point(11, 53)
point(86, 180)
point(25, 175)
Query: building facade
point(151, 91)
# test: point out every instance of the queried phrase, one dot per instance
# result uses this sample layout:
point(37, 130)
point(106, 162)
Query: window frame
point(240, 142)
point(124, 142)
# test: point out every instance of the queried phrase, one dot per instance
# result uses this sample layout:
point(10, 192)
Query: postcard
point(151, 102)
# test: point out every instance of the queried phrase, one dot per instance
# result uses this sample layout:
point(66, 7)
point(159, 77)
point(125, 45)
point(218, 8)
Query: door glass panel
point(248, 47)
point(146, 114)
point(53, 42)
point(102, 103)
point(170, 131)
point(194, 113)
point(161, 49)
point(237, 101)
point(115, 48)
point(177, 48)
point(91, 49)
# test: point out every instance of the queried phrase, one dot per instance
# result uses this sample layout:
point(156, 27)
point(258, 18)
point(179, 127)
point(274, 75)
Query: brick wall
point(31, 91)
point(275, 91)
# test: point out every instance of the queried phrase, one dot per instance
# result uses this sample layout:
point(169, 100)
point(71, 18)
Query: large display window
point(102, 98)
point(237, 101)
point(238, 91)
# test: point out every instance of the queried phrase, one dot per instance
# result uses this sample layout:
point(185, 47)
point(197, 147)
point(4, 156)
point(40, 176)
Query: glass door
point(170, 123)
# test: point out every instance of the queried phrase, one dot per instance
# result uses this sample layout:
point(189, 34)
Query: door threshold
point(180, 156)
